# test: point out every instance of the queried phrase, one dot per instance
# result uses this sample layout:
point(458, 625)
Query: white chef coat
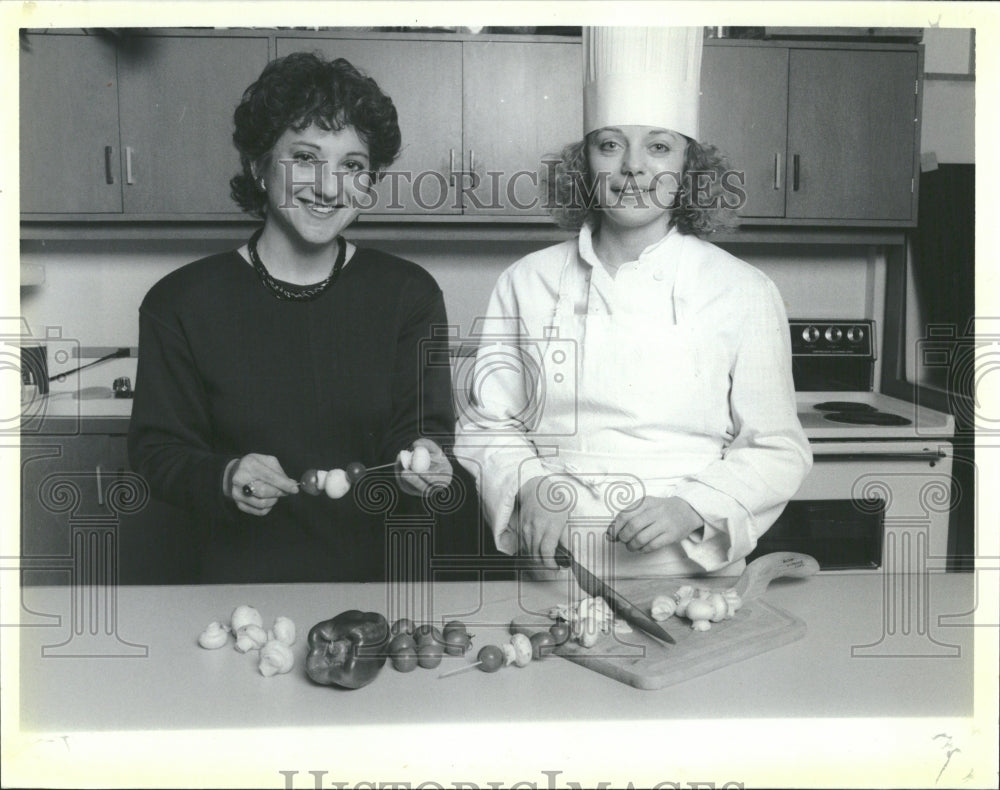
point(672, 378)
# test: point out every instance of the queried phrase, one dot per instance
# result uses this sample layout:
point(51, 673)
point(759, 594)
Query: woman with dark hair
point(296, 352)
point(634, 399)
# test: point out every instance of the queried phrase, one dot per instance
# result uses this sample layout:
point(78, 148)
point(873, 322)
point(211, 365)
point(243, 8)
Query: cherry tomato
point(542, 644)
point(560, 632)
point(404, 625)
point(428, 634)
point(429, 655)
point(490, 658)
point(310, 482)
point(402, 642)
point(456, 643)
point(455, 625)
point(405, 660)
point(355, 470)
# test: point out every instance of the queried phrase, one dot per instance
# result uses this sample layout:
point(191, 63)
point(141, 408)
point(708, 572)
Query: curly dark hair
point(702, 206)
point(302, 89)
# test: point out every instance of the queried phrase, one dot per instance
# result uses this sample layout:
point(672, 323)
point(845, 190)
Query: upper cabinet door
point(177, 100)
point(424, 81)
point(522, 101)
point(744, 95)
point(851, 134)
point(69, 125)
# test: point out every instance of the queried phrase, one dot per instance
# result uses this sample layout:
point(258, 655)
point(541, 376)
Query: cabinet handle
point(109, 176)
point(929, 456)
point(472, 161)
point(128, 165)
point(451, 167)
point(777, 171)
point(100, 492)
point(795, 173)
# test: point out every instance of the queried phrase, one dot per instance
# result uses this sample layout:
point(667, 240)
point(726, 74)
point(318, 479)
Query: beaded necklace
point(280, 289)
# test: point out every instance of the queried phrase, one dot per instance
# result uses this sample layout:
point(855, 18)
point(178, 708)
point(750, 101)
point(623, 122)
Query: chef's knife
point(620, 605)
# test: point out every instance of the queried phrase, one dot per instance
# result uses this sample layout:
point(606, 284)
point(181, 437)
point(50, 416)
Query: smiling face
point(636, 171)
point(316, 182)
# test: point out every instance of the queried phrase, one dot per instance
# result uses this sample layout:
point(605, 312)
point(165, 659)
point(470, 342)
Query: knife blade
point(620, 605)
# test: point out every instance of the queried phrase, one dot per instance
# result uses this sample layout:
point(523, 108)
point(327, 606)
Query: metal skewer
point(459, 671)
point(380, 466)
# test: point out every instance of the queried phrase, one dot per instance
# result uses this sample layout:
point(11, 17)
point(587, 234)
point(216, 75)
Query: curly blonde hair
point(696, 211)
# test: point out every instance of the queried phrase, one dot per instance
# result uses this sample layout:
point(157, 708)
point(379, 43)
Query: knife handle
point(562, 556)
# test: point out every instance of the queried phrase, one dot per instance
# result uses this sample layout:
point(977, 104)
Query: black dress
point(226, 368)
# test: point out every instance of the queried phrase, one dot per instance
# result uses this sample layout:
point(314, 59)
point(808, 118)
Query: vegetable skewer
point(301, 483)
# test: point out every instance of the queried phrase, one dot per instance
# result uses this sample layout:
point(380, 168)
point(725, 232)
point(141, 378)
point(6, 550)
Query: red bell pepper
point(348, 650)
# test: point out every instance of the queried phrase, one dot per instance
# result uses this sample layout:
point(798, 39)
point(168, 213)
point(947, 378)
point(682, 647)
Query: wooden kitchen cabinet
point(139, 126)
point(826, 133)
point(424, 81)
point(822, 134)
point(747, 119)
point(86, 518)
point(60, 481)
point(488, 108)
point(852, 134)
point(69, 148)
point(177, 96)
point(521, 103)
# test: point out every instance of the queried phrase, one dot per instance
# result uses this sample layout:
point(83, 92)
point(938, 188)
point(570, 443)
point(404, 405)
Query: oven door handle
point(931, 456)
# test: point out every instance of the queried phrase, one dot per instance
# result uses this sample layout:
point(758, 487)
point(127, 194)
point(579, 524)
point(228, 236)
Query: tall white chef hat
point(646, 76)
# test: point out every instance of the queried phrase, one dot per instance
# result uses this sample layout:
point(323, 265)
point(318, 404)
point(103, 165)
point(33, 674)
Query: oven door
point(870, 505)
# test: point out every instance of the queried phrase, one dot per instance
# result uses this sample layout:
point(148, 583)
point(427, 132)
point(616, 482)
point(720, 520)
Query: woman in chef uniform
point(633, 397)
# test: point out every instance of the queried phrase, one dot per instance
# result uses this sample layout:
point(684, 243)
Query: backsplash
point(92, 289)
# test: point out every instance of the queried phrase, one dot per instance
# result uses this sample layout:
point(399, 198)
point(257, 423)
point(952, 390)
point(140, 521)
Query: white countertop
point(848, 665)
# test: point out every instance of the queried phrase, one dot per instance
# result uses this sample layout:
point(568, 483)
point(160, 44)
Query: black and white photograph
point(499, 395)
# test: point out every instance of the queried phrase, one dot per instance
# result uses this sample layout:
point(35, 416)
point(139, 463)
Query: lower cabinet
point(86, 518)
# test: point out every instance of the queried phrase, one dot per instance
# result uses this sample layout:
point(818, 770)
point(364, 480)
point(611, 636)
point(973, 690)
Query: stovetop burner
point(833, 366)
point(844, 406)
point(864, 417)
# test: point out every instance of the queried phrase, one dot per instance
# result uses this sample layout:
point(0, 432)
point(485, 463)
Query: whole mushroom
point(522, 649)
point(250, 637)
point(683, 596)
point(214, 636)
point(336, 483)
point(275, 658)
point(284, 630)
point(243, 616)
point(420, 461)
point(733, 599)
point(720, 607)
point(700, 612)
point(663, 607)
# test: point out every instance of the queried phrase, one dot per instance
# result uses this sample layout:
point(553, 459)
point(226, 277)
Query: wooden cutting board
point(647, 663)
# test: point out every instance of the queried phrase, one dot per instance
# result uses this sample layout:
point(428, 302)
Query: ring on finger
point(249, 490)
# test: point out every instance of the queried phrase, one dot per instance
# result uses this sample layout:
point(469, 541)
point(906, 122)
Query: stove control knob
point(810, 334)
point(856, 334)
point(833, 334)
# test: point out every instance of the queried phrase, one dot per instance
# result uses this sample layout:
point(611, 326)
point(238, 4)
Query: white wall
point(93, 289)
point(949, 105)
point(949, 119)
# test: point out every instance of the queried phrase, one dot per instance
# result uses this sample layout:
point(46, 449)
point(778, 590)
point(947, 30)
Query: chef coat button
point(658, 274)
